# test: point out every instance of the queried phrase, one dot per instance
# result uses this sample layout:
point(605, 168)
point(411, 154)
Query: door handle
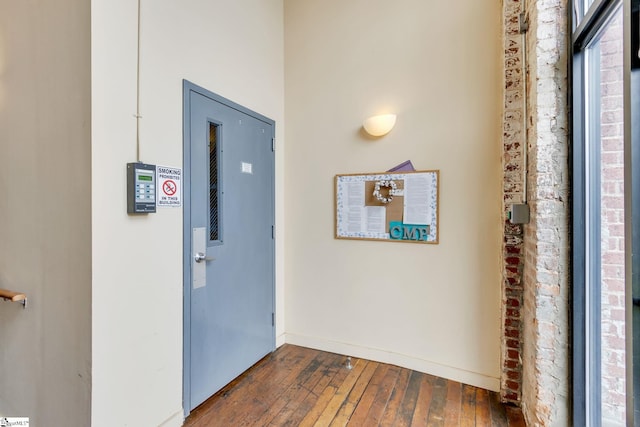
point(199, 257)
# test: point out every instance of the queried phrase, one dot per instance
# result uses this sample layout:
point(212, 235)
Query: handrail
point(13, 296)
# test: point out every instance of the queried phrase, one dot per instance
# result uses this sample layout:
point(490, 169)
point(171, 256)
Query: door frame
point(188, 88)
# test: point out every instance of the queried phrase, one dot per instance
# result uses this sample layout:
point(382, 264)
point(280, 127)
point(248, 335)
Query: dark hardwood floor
point(296, 386)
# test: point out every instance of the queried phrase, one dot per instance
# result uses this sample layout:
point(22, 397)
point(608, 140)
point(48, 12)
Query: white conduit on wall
point(137, 115)
point(524, 27)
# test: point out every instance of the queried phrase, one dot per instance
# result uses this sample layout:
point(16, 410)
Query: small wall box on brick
point(518, 213)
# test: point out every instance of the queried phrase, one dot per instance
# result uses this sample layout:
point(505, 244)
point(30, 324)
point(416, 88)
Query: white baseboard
point(281, 340)
point(466, 377)
point(175, 420)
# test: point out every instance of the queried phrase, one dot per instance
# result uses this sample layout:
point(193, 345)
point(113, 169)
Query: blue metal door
point(229, 245)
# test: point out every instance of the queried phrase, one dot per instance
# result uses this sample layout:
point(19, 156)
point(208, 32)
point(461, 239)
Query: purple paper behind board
point(403, 167)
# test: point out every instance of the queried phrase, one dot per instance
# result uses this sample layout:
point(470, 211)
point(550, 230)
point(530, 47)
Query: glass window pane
point(605, 219)
point(580, 8)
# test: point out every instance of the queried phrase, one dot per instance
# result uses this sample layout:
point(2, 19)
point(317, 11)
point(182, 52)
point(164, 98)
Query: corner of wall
point(45, 205)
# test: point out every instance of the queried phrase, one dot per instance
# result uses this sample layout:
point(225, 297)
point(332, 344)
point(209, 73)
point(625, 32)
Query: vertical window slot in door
point(214, 187)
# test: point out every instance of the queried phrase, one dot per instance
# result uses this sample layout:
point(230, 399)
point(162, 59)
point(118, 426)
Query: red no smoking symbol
point(169, 187)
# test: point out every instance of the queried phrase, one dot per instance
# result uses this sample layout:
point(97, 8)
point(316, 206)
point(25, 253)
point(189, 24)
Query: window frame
point(586, 392)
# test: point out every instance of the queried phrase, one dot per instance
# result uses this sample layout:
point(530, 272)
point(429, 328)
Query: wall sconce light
point(379, 125)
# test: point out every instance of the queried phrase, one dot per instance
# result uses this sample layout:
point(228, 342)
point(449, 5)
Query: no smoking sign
point(169, 187)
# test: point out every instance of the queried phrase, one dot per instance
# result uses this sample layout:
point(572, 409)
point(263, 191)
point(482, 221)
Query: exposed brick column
point(535, 345)
point(545, 314)
point(513, 181)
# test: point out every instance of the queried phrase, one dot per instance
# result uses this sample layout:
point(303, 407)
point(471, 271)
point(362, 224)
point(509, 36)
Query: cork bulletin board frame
point(388, 206)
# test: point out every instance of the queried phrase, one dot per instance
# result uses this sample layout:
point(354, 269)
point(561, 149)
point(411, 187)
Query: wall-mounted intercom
point(141, 188)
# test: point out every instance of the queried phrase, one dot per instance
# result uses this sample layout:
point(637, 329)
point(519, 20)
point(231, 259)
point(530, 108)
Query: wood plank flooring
point(297, 386)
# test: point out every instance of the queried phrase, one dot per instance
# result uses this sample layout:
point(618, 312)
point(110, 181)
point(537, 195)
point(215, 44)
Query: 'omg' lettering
point(400, 231)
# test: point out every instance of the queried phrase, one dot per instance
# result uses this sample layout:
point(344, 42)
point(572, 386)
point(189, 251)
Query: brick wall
point(612, 223)
point(545, 351)
point(513, 179)
point(536, 263)
point(536, 257)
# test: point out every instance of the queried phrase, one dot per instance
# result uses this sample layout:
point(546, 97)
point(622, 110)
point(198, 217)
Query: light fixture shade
point(379, 125)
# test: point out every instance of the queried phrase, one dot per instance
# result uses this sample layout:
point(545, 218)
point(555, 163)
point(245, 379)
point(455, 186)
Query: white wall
point(435, 308)
point(232, 48)
point(45, 201)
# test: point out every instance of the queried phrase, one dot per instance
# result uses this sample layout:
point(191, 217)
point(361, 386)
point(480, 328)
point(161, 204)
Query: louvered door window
point(214, 184)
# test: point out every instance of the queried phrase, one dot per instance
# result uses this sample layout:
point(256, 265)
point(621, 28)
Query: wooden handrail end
point(8, 295)
point(19, 297)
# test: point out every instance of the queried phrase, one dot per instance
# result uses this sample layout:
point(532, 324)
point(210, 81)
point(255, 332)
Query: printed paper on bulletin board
point(393, 207)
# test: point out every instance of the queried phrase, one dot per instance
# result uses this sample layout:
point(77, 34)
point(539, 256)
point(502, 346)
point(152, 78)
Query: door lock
point(199, 257)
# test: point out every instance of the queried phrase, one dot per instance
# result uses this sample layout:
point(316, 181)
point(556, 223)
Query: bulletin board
point(388, 206)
